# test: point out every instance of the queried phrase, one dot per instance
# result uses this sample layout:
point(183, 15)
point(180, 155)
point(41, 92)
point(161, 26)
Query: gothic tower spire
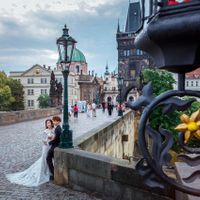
point(133, 17)
point(118, 27)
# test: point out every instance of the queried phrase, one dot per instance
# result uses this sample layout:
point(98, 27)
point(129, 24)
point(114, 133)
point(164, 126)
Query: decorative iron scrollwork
point(157, 158)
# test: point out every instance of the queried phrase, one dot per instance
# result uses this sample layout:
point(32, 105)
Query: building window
point(43, 91)
point(30, 81)
point(187, 83)
point(77, 69)
point(30, 92)
point(197, 83)
point(30, 103)
point(43, 80)
point(132, 51)
point(192, 83)
point(133, 73)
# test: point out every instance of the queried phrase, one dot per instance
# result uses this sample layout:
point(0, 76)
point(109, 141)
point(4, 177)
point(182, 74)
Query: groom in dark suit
point(54, 143)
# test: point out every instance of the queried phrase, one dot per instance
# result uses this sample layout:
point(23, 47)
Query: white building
point(110, 86)
point(192, 80)
point(36, 81)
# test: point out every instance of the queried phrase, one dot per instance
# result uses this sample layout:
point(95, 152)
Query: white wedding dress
point(38, 173)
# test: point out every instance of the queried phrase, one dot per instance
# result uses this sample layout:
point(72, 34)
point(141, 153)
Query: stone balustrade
point(25, 115)
point(95, 164)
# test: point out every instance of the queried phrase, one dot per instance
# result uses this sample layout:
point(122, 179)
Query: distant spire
point(106, 66)
point(107, 72)
point(118, 27)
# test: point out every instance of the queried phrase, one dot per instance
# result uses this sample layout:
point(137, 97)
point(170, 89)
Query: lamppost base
point(66, 141)
point(120, 113)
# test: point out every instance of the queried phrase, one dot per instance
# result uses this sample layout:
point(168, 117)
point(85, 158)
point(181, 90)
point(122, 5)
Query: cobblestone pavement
point(20, 146)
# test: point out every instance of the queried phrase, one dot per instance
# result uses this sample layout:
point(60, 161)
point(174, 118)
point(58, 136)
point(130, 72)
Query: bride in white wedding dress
point(38, 173)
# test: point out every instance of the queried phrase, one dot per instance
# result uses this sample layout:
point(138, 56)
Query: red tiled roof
point(194, 74)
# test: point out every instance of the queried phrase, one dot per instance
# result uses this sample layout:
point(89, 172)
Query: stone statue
point(55, 92)
point(59, 90)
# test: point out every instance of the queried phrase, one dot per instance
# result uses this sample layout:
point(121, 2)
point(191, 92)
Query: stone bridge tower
point(130, 60)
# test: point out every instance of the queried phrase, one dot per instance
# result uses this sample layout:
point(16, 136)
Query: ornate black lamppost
point(65, 48)
point(120, 80)
point(170, 34)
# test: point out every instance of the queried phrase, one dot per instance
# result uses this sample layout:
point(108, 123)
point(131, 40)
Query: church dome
point(77, 56)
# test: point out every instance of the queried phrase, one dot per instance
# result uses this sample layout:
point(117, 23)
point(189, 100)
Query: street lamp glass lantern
point(66, 46)
point(120, 81)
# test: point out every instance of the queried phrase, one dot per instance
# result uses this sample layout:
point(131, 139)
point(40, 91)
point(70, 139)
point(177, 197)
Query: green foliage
point(18, 93)
point(43, 101)
point(11, 93)
point(163, 81)
point(5, 97)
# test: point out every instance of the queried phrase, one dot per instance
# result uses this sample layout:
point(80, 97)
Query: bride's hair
point(49, 120)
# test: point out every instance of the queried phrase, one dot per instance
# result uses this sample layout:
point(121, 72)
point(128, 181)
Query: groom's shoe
point(51, 178)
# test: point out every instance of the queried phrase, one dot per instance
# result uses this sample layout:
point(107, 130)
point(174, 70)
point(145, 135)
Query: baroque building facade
point(91, 88)
point(81, 84)
point(36, 82)
point(131, 60)
point(192, 80)
point(110, 86)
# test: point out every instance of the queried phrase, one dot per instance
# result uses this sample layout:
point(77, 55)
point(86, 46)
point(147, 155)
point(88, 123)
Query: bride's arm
point(52, 137)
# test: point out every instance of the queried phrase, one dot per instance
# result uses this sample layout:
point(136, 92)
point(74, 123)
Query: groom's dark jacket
point(56, 141)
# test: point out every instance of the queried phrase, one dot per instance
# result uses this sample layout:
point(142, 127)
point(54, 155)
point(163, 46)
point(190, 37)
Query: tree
point(163, 81)
point(18, 93)
point(5, 97)
point(11, 93)
point(43, 101)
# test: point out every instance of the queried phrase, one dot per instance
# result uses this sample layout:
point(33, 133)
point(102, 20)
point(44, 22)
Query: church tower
point(130, 59)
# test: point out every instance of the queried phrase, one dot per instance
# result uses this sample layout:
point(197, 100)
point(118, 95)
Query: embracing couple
point(42, 170)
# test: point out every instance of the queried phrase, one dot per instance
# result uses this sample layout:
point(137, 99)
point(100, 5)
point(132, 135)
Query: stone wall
point(25, 115)
point(95, 164)
point(115, 139)
point(108, 177)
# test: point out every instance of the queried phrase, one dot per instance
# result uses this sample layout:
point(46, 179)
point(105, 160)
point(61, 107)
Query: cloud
point(29, 37)
point(23, 59)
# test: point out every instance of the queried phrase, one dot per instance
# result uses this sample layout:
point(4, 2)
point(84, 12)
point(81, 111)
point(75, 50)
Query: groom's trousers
point(50, 156)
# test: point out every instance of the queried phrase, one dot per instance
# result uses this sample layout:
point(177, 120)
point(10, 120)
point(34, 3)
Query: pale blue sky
point(28, 31)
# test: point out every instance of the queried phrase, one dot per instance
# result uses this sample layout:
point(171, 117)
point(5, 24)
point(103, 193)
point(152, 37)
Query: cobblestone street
point(20, 146)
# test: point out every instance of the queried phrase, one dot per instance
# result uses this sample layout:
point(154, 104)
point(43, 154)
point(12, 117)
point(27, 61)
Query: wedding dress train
point(38, 173)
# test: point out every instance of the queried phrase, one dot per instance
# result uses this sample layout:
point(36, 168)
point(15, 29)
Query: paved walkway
point(20, 146)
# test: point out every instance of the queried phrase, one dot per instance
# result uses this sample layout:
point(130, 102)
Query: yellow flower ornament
point(190, 126)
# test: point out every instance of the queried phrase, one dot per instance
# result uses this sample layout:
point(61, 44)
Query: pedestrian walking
point(94, 109)
point(75, 110)
point(110, 108)
point(103, 106)
point(89, 110)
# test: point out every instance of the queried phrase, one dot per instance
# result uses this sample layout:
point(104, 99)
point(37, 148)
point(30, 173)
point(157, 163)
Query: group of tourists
point(90, 108)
